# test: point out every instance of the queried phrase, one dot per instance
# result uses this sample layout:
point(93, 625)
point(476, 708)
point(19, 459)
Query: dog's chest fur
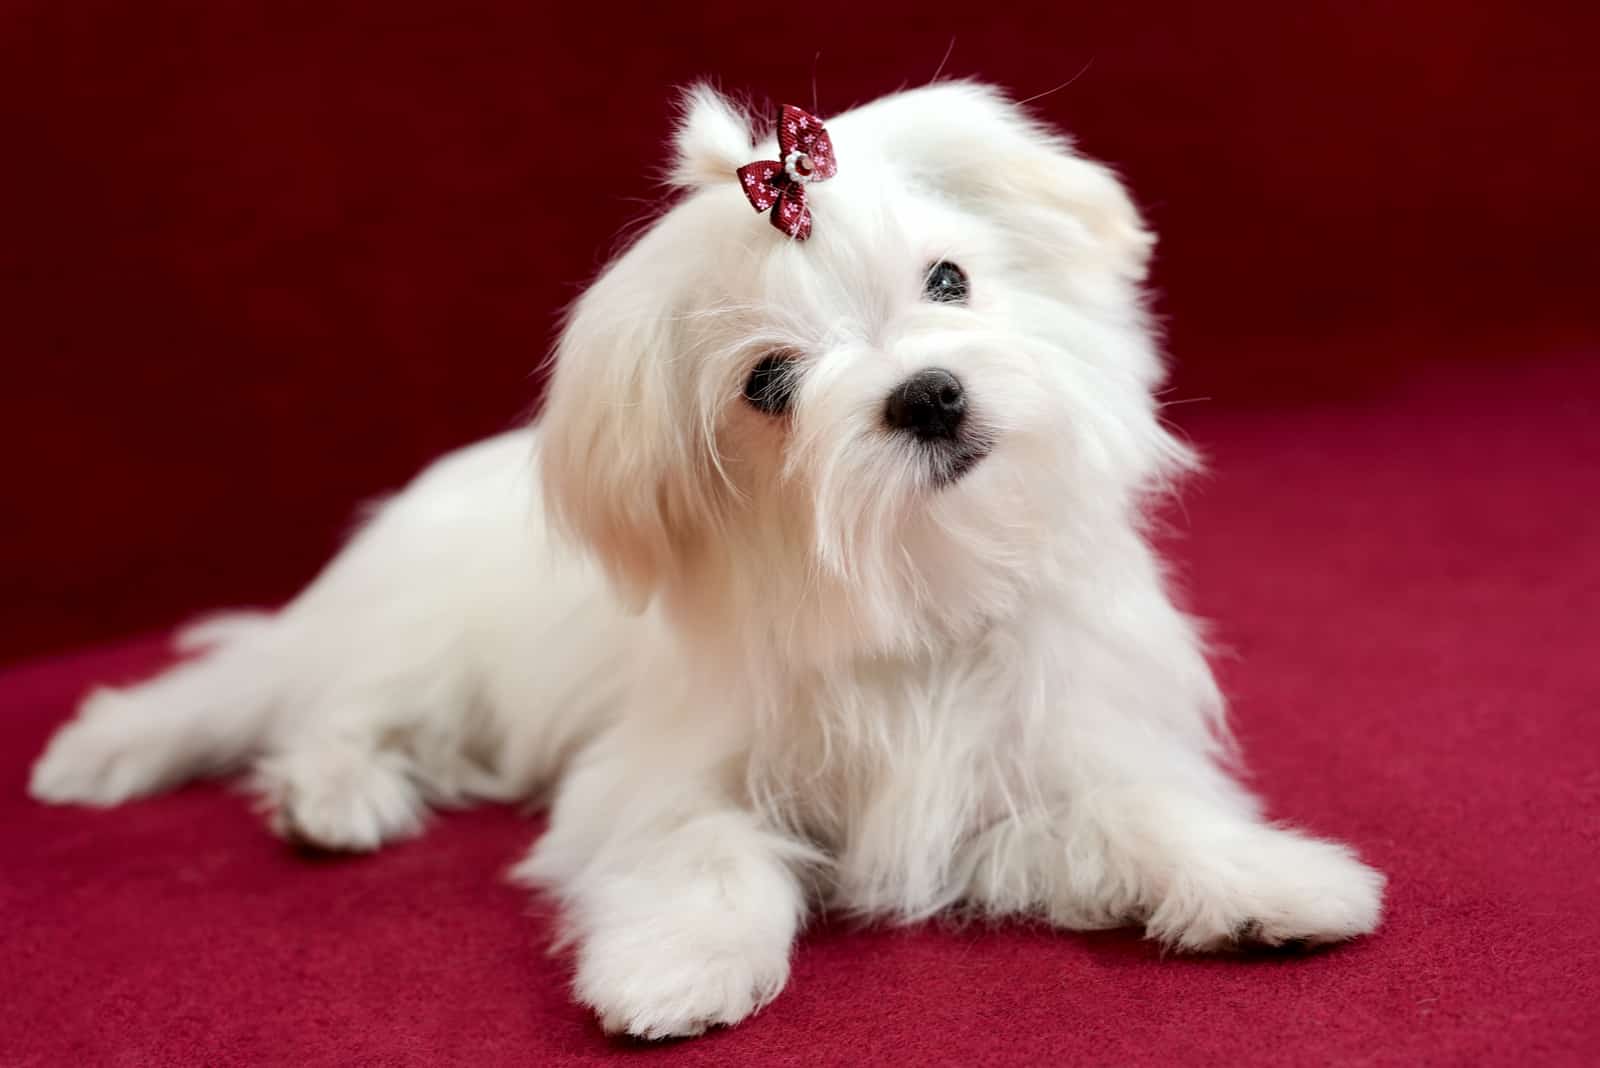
point(893, 768)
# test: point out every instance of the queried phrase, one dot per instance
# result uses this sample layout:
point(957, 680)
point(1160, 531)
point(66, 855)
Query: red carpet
point(1408, 585)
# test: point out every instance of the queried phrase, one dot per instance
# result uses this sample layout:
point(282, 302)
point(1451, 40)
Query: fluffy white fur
point(770, 663)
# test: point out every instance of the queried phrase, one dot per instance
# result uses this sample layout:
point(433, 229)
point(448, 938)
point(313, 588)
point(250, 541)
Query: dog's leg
point(1215, 878)
point(201, 717)
point(686, 930)
point(1161, 837)
point(682, 907)
point(340, 792)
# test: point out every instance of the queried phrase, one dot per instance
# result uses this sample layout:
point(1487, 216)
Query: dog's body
point(779, 641)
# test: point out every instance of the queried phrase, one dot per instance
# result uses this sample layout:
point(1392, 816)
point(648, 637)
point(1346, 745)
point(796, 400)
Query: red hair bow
point(781, 184)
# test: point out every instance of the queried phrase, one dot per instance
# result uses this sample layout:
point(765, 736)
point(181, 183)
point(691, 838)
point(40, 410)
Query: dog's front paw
point(679, 975)
point(113, 751)
point(1269, 887)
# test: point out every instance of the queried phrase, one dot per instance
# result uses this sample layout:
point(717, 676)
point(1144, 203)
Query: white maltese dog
point(822, 582)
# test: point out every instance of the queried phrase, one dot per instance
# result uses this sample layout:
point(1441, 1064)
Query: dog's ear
point(713, 139)
point(623, 452)
point(626, 453)
point(968, 141)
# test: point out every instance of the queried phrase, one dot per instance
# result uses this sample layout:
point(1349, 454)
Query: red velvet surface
point(259, 260)
point(1408, 588)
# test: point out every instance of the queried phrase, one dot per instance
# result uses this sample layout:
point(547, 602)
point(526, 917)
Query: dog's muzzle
point(931, 406)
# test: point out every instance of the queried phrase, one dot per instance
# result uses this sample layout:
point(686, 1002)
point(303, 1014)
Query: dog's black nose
point(930, 404)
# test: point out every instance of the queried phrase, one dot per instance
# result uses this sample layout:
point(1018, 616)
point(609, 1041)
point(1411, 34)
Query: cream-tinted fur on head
point(769, 663)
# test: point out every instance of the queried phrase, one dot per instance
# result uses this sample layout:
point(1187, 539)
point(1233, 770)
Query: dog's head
point(885, 435)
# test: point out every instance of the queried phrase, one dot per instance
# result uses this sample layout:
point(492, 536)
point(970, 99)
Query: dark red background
point(259, 260)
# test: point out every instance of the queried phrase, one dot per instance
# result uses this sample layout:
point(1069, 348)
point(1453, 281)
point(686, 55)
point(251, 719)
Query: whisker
point(1040, 96)
point(940, 69)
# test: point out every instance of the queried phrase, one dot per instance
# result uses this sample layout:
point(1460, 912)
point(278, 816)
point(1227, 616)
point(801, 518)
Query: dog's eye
point(771, 385)
point(945, 284)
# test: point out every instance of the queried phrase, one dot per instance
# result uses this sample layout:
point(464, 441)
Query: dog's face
point(883, 436)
